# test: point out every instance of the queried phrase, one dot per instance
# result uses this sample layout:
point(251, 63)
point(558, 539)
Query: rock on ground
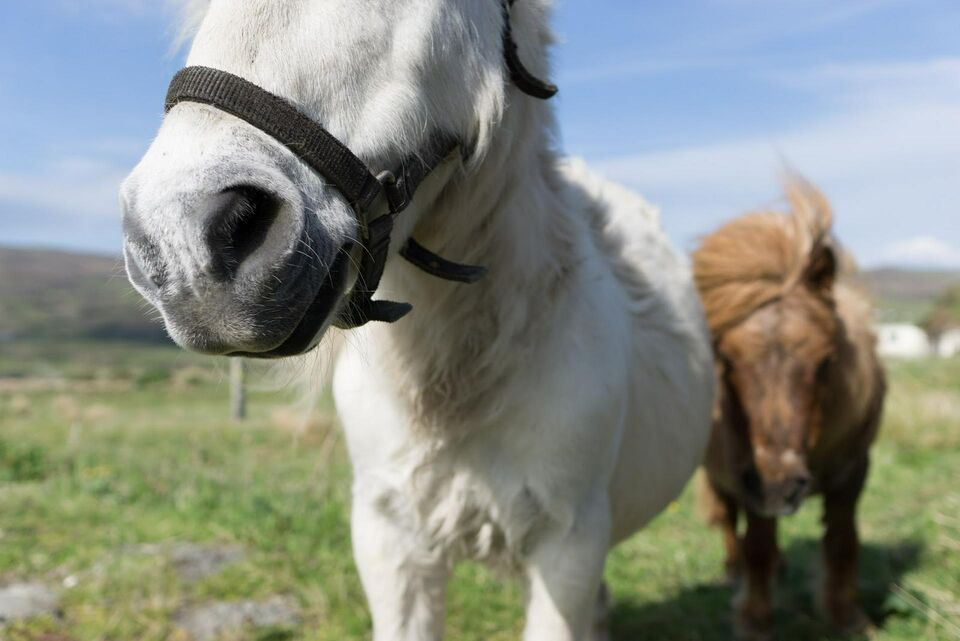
point(194, 562)
point(27, 600)
point(212, 620)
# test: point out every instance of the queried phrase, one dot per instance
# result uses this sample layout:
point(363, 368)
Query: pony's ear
point(822, 270)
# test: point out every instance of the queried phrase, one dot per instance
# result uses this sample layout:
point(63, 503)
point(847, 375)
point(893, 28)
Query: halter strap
point(330, 158)
point(273, 115)
point(333, 160)
point(521, 77)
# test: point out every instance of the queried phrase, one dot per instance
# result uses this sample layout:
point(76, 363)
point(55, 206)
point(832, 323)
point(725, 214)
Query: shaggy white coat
point(532, 420)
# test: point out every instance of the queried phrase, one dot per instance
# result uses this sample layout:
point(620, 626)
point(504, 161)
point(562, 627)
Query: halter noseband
point(330, 158)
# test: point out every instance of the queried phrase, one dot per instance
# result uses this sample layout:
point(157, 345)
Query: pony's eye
point(724, 361)
point(823, 369)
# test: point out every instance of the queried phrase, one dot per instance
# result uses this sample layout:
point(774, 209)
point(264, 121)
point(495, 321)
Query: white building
point(948, 345)
point(902, 340)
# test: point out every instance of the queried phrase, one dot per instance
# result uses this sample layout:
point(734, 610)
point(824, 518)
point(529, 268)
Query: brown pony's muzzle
point(778, 491)
point(784, 498)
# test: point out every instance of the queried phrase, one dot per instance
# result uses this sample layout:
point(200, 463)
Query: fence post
point(238, 391)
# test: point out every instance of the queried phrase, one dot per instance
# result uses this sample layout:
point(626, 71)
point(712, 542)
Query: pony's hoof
point(752, 623)
point(751, 631)
point(600, 634)
point(854, 622)
point(600, 630)
point(731, 575)
point(781, 571)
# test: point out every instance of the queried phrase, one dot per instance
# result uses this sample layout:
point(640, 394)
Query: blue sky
point(695, 103)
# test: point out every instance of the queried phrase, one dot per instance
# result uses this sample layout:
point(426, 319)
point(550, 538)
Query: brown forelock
point(757, 258)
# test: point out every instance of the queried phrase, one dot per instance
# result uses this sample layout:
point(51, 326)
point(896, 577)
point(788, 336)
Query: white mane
point(189, 16)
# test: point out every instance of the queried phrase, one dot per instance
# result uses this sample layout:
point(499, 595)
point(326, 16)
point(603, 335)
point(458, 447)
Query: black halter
point(525, 81)
point(330, 158)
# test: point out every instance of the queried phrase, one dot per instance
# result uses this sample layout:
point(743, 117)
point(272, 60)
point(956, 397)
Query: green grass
point(904, 310)
point(94, 464)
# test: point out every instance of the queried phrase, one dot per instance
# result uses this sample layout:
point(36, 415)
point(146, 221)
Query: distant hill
point(907, 295)
point(47, 294)
point(907, 284)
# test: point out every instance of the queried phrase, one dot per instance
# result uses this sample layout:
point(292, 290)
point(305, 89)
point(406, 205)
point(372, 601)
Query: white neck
point(511, 214)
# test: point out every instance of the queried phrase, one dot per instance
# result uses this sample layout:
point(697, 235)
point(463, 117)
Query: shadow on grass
point(703, 612)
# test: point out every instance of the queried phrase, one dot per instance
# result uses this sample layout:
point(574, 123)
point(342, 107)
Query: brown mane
point(755, 259)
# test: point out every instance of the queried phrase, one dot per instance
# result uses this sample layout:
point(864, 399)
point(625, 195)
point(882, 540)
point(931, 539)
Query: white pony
point(532, 420)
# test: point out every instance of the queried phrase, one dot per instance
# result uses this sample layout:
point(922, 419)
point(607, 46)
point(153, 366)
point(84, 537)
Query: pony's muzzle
point(236, 271)
point(784, 497)
point(793, 490)
point(780, 496)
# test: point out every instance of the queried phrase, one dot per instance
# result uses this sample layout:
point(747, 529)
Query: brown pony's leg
point(840, 548)
point(754, 605)
point(723, 513)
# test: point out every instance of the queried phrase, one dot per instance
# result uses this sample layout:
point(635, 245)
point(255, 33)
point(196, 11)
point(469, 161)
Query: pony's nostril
point(751, 481)
point(798, 488)
point(235, 223)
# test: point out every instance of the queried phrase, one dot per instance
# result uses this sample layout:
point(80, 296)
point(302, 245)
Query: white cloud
point(631, 67)
point(738, 34)
point(890, 165)
point(76, 186)
point(871, 142)
point(764, 21)
point(816, 11)
point(936, 79)
point(922, 251)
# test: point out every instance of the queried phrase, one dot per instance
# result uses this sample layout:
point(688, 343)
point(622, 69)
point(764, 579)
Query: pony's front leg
point(723, 513)
point(405, 581)
point(753, 610)
point(565, 576)
point(841, 546)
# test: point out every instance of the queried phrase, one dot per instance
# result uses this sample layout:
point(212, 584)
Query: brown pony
point(799, 397)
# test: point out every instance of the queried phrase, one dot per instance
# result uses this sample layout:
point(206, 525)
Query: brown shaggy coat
point(799, 397)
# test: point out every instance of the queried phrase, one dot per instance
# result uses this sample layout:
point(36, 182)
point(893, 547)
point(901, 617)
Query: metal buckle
point(391, 189)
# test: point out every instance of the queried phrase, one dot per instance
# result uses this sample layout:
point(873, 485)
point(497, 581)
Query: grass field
point(106, 449)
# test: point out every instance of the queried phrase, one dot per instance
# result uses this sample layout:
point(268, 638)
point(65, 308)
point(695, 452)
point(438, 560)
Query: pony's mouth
point(316, 318)
point(771, 501)
point(279, 310)
point(770, 509)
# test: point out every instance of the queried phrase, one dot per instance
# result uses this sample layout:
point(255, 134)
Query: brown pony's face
point(774, 364)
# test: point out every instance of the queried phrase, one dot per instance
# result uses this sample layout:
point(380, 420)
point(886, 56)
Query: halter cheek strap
point(521, 77)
